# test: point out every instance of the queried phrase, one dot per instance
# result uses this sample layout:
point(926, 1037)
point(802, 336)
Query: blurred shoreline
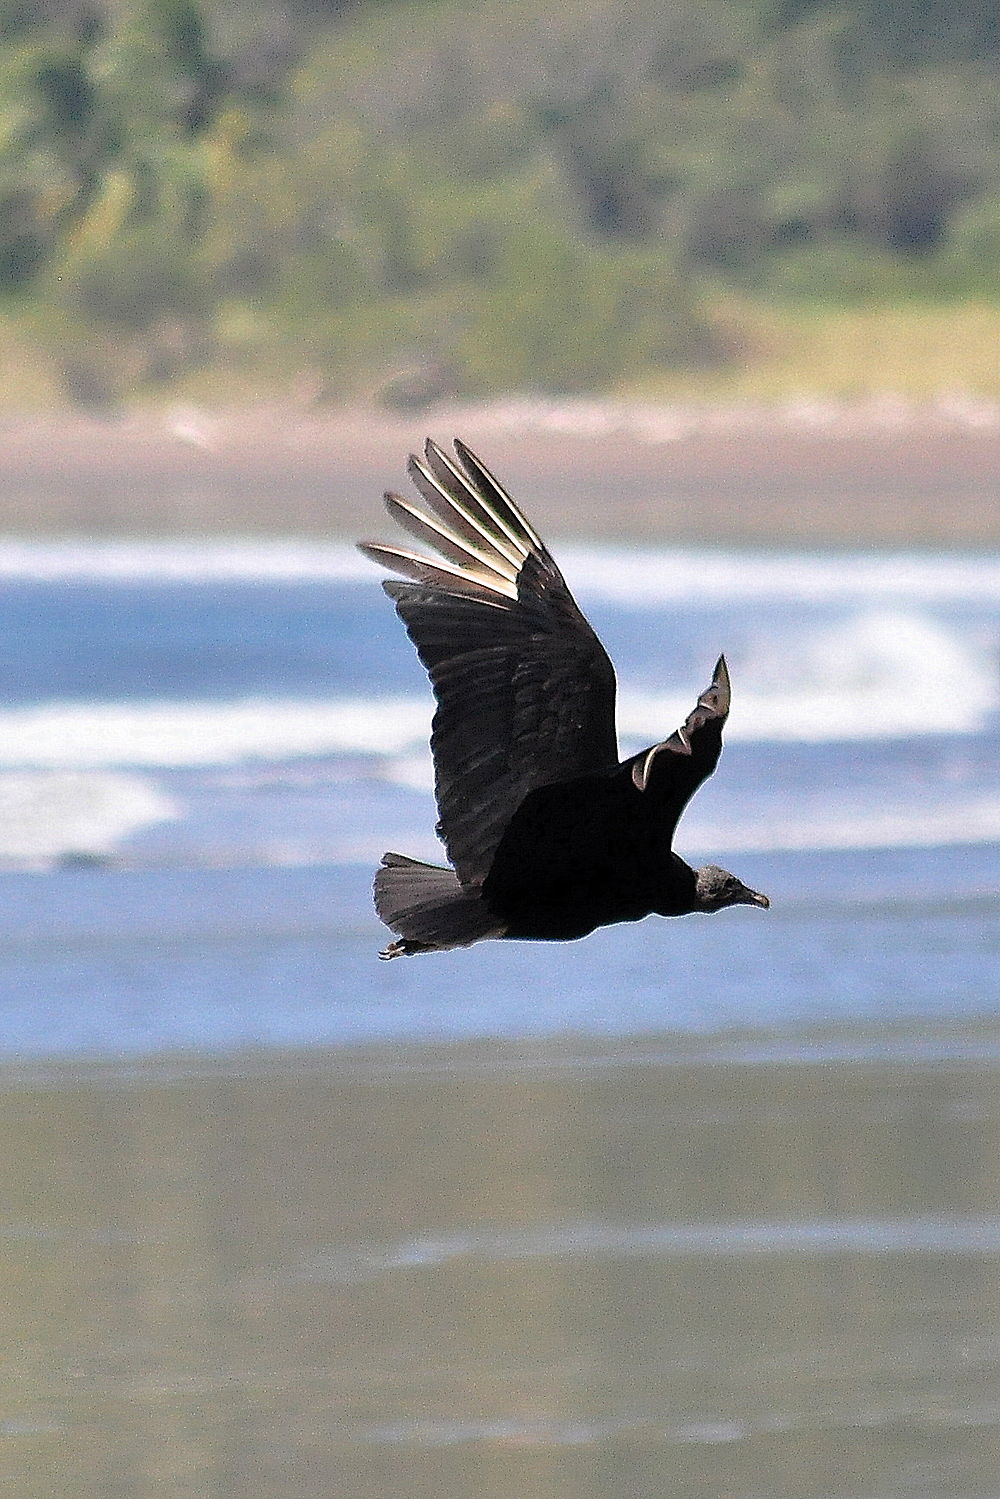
point(883, 472)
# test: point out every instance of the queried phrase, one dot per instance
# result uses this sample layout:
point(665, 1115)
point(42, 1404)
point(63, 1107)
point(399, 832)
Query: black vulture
point(549, 835)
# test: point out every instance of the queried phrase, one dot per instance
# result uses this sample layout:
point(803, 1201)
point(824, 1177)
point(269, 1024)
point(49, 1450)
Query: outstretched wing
point(525, 690)
point(672, 771)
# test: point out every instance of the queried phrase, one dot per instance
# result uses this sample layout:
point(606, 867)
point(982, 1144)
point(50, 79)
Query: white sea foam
point(92, 735)
point(879, 675)
point(647, 578)
point(47, 815)
point(953, 821)
point(876, 676)
point(873, 677)
point(183, 560)
point(629, 577)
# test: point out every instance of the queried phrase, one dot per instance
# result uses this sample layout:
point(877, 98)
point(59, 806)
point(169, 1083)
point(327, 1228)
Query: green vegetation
point(400, 198)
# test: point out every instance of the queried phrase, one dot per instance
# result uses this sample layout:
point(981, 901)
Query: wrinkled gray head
point(715, 888)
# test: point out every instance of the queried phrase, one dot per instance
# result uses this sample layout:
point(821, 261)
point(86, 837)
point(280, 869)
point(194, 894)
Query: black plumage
point(548, 834)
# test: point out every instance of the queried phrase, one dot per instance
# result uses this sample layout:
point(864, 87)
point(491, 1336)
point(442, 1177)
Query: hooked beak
point(754, 898)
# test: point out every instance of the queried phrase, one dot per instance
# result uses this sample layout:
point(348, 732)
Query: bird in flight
point(549, 834)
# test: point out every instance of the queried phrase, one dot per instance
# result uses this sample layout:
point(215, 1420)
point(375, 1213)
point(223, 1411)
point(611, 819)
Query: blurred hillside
point(400, 200)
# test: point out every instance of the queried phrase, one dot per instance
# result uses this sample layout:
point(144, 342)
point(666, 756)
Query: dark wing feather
point(525, 690)
point(672, 771)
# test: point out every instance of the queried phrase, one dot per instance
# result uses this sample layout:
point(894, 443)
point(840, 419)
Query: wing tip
point(712, 705)
point(722, 685)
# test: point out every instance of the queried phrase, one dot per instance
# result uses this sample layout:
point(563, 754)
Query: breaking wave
point(183, 560)
point(53, 815)
point(629, 577)
point(641, 578)
point(178, 734)
point(877, 676)
point(956, 820)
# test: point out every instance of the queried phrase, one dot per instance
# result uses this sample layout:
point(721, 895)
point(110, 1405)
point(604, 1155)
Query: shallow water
point(588, 1269)
point(126, 962)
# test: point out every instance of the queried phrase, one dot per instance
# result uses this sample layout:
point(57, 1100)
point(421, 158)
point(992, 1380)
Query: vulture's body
point(548, 833)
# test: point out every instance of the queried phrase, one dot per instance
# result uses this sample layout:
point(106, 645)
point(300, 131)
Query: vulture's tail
point(429, 908)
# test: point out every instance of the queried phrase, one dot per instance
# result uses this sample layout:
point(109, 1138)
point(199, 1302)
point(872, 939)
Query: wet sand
point(808, 474)
point(514, 1269)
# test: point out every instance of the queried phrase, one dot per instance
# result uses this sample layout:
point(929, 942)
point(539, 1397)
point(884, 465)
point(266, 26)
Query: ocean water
point(206, 746)
point(693, 1207)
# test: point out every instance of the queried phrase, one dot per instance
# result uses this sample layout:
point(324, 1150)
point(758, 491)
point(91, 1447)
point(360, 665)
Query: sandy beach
point(885, 473)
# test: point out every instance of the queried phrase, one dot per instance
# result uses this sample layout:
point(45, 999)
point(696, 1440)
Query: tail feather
point(428, 907)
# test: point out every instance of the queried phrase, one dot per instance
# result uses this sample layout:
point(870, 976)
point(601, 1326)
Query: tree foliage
point(417, 196)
